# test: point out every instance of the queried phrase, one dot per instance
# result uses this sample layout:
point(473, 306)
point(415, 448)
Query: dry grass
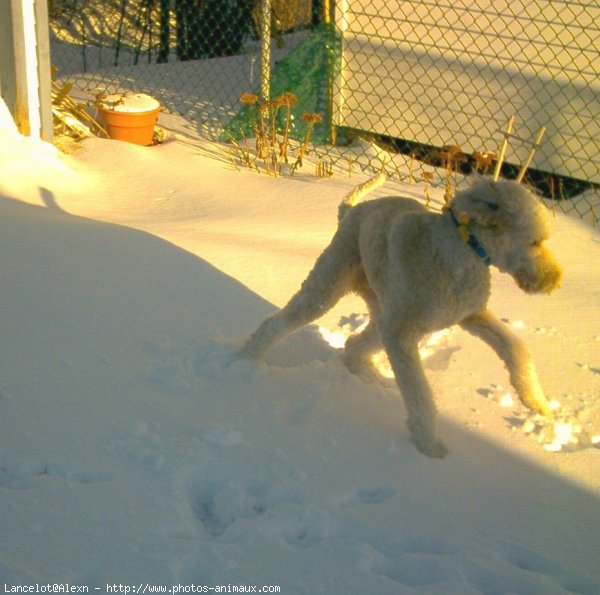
point(268, 151)
point(71, 119)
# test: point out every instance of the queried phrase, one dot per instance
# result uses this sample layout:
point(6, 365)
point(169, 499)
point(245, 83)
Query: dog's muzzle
point(543, 276)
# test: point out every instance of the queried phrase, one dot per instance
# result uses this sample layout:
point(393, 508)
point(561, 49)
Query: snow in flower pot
point(129, 117)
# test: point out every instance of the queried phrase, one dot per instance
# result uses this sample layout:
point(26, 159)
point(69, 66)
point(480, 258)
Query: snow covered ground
point(134, 450)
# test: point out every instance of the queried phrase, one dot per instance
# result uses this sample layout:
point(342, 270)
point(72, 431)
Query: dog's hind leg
point(516, 356)
point(360, 347)
point(358, 351)
point(403, 353)
point(329, 280)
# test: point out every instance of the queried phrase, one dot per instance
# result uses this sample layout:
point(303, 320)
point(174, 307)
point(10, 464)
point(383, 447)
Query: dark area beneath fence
point(550, 185)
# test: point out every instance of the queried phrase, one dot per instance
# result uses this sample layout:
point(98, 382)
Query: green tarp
point(308, 73)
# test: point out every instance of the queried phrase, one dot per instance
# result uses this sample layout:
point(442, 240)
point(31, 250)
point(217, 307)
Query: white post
point(7, 71)
point(44, 69)
point(265, 54)
point(28, 37)
point(338, 84)
point(16, 64)
point(31, 67)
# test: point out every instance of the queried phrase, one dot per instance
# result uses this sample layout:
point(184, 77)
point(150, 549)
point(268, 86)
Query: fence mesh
point(452, 72)
point(196, 56)
point(394, 80)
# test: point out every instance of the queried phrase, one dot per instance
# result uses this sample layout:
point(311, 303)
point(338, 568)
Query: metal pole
point(331, 74)
point(265, 53)
point(326, 11)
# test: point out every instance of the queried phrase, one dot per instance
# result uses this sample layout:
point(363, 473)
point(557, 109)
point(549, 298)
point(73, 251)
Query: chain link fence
point(420, 75)
point(195, 56)
point(414, 84)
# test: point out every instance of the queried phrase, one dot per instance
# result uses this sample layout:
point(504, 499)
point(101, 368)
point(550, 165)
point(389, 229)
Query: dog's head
point(512, 225)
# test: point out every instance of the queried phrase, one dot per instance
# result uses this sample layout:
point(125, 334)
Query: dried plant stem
point(73, 115)
point(536, 144)
point(273, 108)
point(324, 169)
point(483, 161)
point(427, 176)
point(286, 133)
point(411, 165)
point(503, 147)
point(311, 119)
point(271, 148)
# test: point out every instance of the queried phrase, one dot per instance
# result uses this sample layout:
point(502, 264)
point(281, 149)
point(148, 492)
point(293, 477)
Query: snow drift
point(135, 449)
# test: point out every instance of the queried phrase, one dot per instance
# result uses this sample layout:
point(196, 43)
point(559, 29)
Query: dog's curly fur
point(417, 274)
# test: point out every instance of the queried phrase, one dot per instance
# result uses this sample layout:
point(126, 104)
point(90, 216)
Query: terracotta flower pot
point(130, 117)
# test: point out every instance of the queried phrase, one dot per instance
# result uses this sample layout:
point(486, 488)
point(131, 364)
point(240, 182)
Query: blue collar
point(470, 239)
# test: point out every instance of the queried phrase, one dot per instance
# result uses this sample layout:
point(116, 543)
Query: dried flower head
point(452, 154)
point(248, 98)
point(287, 99)
point(267, 105)
point(483, 160)
point(311, 118)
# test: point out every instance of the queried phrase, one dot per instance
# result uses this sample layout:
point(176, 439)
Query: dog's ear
point(491, 204)
point(482, 203)
point(489, 214)
point(483, 211)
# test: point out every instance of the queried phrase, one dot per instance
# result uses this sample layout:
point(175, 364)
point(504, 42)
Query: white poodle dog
point(420, 272)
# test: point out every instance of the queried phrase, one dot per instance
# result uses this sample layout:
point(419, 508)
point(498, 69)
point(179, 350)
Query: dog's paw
point(434, 449)
point(372, 376)
point(541, 405)
point(421, 428)
point(215, 359)
point(367, 372)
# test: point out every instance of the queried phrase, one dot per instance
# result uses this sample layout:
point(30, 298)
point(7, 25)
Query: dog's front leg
point(516, 356)
point(420, 404)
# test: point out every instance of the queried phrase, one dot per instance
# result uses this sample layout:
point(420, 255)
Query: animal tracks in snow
point(246, 490)
point(562, 432)
point(418, 570)
point(232, 490)
point(444, 568)
point(228, 494)
point(243, 492)
point(179, 368)
point(236, 485)
point(217, 507)
point(566, 430)
point(522, 325)
point(375, 495)
point(518, 569)
point(19, 475)
point(592, 369)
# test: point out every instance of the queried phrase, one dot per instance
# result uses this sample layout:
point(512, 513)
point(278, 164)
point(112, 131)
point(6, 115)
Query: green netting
point(307, 73)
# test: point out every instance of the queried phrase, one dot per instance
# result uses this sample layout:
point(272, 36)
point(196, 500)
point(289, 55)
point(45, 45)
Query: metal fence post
point(331, 74)
point(265, 49)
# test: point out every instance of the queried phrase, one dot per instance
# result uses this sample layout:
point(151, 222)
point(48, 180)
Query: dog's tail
point(354, 197)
